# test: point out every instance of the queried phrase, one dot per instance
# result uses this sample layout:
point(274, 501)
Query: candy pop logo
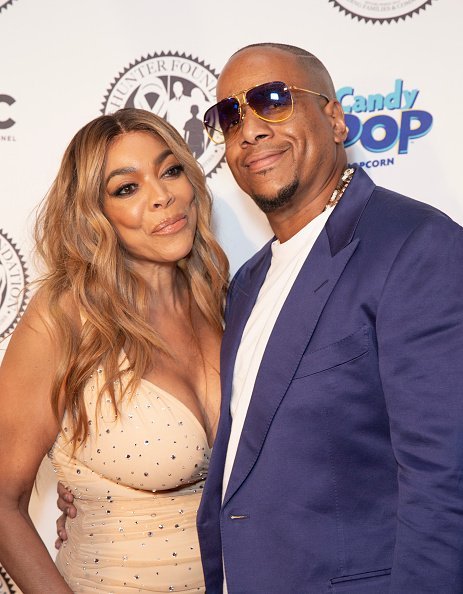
point(381, 11)
point(178, 88)
point(384, 122)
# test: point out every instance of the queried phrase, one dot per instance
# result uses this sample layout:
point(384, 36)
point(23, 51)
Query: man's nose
point(253, 128)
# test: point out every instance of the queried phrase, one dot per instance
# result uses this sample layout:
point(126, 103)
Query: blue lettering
point(399, 98)
point(413, 124)
point(410, 98)
point(355, 129)
point(394, 100)
point(375, 102)
point(360, 104)
point(424, 120)
point(345, 92)
point(391, 133)
point(375, 163)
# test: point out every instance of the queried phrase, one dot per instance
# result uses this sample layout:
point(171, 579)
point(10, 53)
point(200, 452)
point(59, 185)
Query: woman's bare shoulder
point(39, 312)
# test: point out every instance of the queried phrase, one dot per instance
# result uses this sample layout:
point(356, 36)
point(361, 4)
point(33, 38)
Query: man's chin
point(268, 204)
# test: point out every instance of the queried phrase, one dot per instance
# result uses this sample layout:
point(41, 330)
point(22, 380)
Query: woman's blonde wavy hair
point(85, 260)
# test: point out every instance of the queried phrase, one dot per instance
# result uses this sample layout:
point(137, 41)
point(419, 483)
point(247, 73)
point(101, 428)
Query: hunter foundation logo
point(6, 586)
point(13, 278)
point(381, 11)
point(4, 5)
point(176, 87)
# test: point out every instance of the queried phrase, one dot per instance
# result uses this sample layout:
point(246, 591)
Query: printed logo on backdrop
point(178, 88)
point(6, 119)
point(3, 5)
point(381, 11)
point(6, 585)
point(383, 125)
point(13, 279)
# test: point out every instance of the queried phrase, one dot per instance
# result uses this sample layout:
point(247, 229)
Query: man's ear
point(335, 114)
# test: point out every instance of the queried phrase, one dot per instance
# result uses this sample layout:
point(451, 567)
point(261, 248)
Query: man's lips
point(170, 225)
point(257, 162)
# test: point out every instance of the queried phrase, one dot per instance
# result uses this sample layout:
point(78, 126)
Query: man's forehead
point(254, 66)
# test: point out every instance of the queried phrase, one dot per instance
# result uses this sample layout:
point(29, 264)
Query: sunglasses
point(271, 102)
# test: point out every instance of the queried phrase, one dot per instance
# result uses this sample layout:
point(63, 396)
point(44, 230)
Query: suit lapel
point(241, 299)
point(294, 326)
point(288, 341)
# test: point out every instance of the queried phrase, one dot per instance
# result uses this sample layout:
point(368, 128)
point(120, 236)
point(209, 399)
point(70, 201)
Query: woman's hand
point(65, 504)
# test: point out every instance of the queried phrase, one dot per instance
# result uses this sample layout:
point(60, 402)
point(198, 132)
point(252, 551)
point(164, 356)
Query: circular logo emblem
point(178, 88)
point(13, 278)
point(4, 4)
point(382, 11)
point(6, 586)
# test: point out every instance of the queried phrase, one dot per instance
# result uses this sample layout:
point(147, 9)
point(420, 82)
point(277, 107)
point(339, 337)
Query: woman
point(114, 367)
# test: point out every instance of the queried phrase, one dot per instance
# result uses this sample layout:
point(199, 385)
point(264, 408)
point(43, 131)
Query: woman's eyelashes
point(127, 189)
point(173, 171)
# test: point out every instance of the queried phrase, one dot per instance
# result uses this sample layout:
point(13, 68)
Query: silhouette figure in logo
point(194, 133)
point(178, 108)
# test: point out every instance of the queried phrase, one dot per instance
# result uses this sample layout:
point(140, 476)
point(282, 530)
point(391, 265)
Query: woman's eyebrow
point(120, 171)
point(124, 170)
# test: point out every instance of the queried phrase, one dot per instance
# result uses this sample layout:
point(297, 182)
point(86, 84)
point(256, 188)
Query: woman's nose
point(161, 198)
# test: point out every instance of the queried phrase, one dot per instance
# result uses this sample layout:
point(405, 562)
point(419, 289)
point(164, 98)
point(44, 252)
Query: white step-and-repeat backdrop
point(396, 66)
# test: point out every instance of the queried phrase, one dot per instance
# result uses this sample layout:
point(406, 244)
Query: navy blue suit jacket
point(349, 471)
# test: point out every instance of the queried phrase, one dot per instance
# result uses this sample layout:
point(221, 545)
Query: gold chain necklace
point(341, 187)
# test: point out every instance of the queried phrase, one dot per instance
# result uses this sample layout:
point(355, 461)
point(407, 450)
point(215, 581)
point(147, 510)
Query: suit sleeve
point(420, 347)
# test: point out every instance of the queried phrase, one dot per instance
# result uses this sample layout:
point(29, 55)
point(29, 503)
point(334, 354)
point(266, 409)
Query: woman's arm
point(28, 429)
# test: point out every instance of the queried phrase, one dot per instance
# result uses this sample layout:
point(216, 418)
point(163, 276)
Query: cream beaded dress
point(137, 484)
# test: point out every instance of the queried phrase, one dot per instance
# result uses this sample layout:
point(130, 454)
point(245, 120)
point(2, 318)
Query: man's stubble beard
point(282, 198)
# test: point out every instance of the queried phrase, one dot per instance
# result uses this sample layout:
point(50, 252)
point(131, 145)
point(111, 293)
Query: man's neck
point(291, 218)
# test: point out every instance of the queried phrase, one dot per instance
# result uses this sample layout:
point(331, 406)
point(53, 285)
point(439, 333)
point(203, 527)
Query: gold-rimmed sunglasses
point(271, 102)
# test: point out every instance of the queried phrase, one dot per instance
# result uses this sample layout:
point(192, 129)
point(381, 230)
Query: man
point(338, 461)
point(339, 454)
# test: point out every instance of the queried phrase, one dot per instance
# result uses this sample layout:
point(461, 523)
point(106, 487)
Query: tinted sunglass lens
point(222, 118)
point(229, 115)
point(271, 101)
point(212, 125)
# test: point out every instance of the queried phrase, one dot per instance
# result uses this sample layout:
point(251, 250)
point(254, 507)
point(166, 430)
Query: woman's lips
point(170, 225)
